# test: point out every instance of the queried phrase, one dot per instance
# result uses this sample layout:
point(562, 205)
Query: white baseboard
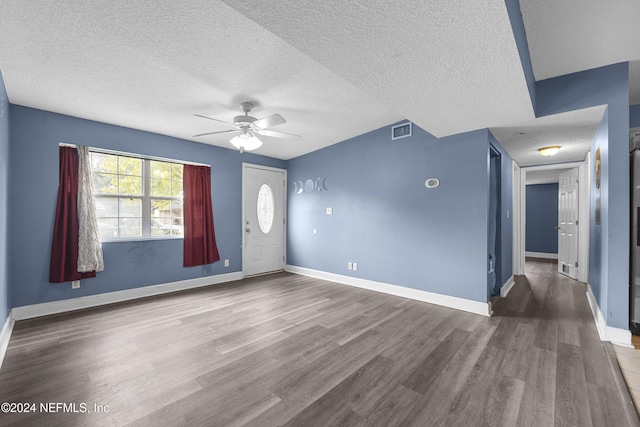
point(540, 255)
point(617, 336)
point(55, 307)
point(470, 306)
point(504, 290)
point(5, 336)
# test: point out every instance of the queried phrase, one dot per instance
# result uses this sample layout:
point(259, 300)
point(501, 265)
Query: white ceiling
point(333, 72)
point(573, 131)
point(449, 67)
point(566, 37)
point(576, 35)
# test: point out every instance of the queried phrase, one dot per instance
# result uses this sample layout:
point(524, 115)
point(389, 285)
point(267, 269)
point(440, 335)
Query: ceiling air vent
point(401, 131)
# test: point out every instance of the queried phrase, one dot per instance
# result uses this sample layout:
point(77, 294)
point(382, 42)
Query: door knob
point(248, 230)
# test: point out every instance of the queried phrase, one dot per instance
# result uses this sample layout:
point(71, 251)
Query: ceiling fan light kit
point(247, 126)
point(245, 142)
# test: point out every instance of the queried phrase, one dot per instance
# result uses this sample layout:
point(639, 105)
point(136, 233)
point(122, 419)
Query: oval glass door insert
point(265, 208)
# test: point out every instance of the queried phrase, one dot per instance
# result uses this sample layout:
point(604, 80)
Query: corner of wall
point(5, 294)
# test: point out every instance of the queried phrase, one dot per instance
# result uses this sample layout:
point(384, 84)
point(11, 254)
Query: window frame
point(145, 197)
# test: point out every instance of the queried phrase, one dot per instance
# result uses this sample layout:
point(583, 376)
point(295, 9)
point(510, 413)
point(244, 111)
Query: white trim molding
point(543, 255)
point(617, 336)
point(62, 306)
point(475, 307)
point(504, 290)
point(5, 336)
point(518, 259)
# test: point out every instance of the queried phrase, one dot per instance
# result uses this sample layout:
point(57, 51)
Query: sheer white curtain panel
point(89, 246)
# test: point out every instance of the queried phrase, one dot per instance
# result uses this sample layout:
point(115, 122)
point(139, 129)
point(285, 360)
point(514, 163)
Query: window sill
point(141, 239)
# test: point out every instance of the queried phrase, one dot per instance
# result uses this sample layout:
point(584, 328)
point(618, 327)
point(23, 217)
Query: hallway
point(573, 377)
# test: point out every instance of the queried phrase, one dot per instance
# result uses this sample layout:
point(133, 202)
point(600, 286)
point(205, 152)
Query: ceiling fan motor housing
point(245, 122)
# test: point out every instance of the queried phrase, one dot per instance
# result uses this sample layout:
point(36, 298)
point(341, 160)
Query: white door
point(263, 228)
point(568, 223)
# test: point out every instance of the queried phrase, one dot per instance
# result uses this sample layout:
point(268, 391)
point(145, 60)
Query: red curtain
point(199, 236)
point(64, 249)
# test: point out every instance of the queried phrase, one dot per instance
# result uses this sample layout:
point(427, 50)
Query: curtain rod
point(123, 153)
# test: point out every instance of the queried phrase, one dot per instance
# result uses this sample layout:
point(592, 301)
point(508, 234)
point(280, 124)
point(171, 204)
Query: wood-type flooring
point(296, 351)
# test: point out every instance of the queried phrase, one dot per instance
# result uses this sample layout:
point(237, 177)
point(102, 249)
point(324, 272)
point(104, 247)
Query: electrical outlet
point(350, 265)
point(355, 265)
point(226, 263)
point(75, 284)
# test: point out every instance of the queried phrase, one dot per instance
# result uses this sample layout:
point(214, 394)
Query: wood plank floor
point(290, 350)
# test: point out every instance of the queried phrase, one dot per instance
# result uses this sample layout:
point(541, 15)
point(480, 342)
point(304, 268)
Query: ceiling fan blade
point(214, 133)
point(215, 120)
point(270, 121)
point(276, 134)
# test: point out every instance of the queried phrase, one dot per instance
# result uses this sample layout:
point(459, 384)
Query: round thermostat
point(432, 183)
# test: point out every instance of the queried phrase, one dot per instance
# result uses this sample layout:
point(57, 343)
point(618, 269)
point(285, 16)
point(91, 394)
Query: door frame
point(497, 267)
point(517, 215)
point(520, 224)
point(284, 212)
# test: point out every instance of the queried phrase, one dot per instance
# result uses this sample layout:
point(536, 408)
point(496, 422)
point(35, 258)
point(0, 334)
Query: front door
point(263, 219)
point(568, 223)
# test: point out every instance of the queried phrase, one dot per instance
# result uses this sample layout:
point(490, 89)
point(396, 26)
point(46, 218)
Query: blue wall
point(634, 116)
point(603, 86)
point(383, 216)
point(398, 231)
point(542, 218)
point(35, 135)
point(5, 296)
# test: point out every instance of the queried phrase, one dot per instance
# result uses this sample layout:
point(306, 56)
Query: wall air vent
point(401, 131)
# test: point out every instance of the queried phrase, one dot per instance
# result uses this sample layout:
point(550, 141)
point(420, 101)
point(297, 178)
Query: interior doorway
point(494, 275)
point(519, 200)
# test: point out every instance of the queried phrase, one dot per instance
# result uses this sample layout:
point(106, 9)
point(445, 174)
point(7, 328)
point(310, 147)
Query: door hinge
point(576, 264)
point(577, 222)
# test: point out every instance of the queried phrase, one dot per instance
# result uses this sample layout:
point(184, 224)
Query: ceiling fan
point(248, 126)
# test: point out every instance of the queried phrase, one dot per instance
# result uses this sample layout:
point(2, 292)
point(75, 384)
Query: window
point(265, 207)
point(137, 197)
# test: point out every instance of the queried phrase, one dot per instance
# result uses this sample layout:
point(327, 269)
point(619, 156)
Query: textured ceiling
point(152, 66)
point(575, 35)
point(333, 71)
point(573, 131)
point(448, 66)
